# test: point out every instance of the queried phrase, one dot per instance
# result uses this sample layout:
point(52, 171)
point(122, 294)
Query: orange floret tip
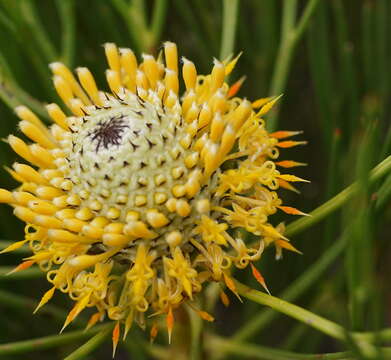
point(235, 87)
point(292, 211)
point(282, 134)
point(76, 310)
point(153, 333)
point(224, 298)
point(170, 323)
point(93, 320)
point(115, 337)
point(231, 285)
point(23, 266)
point(290, 143)
point(289, 163)
point(258, 276)
point(205, 316)
point(337, 132)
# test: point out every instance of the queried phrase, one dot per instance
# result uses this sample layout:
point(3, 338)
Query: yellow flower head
point(131, 198)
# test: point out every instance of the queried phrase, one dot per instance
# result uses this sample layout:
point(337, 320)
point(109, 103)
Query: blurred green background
point(330, 58)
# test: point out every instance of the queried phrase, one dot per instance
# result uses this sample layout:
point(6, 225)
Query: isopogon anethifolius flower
point(131, 198)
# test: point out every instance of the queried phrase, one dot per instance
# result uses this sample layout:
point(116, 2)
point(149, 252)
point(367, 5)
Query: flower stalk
point(326, 326)
point(87, 348)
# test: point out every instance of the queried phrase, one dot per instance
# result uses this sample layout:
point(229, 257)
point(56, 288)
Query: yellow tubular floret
point(36, 134)
point(171, 81)
point(114, 81)
point(6, 196)
point(142, 80)
point(171, 54)
point(112, 56)
point(62, 71)
point(151, 70)
point(63, 89)
point(189, 73)
point(217, 76)
point(57, 115)
point(42, 156)
point(26, 114)
point(21, 148)
point(129, 65)
point(88, 82)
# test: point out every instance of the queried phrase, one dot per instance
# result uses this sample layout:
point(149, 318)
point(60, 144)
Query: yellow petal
point(14, 246)
point(231, 65)
point(288, 177)
point(287, 245)
point(267, 107)
point(45, 298)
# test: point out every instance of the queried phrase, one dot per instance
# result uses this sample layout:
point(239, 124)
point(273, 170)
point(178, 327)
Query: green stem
point(362, 340)
point(331, 185)
point(230, 17)
point(206, 17)
point(384, 194)
point(383, 335)
point(67, 17)
point(137, 346)
point(196, 325)
point(290, 36)
point(266, 353)
point(326, 326)
point(8, 23)
point(7, 97)
point(158, 351)
point(288, 18)
point(90, 345)
point(30, 17)
point(139, 5)
point(298, 287)
point(348, 77)
point(12, 95)
point(305, 18)
point(337, 201)
point(48, 342)
point(138, 16)
point(158, 19)
point(284, 55)
point(135, 22)
point(191, 23)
